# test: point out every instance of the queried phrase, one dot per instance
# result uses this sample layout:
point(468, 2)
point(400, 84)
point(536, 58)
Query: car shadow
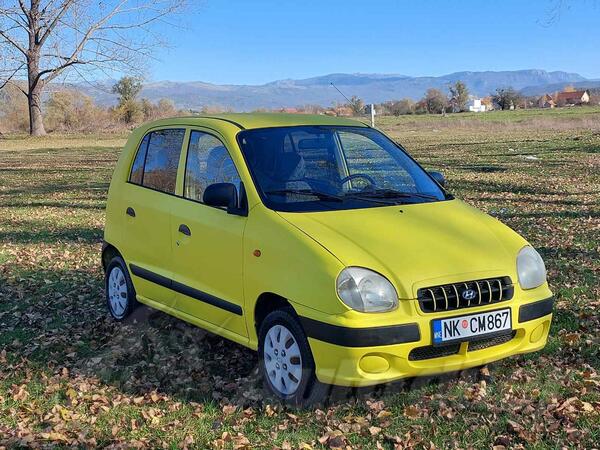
point(152, 350)
point(58, 319)
point(149, 351)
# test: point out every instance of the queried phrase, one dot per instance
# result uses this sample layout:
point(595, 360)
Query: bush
point(399, 107)
point(130, 112)
point(163, 109)
point(69, 110)
point(14, 114)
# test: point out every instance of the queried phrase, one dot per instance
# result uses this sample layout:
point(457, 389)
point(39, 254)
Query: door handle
point(184, 229)
point(130, 211)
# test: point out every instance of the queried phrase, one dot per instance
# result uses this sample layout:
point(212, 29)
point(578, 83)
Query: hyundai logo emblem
point(469, 294)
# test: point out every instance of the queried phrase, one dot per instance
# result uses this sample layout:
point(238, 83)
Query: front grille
point(430, 352)
point(449, 297)
point(490, 342)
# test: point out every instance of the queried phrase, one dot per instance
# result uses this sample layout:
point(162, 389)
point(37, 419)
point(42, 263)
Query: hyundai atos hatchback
point(322, 244)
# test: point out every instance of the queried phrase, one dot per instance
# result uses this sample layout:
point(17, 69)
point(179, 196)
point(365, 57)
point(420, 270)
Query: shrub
point(14, 115)
point(70, 110)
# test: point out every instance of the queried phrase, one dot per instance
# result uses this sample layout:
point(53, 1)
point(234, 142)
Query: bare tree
point(506, 98)
point(41, 40)
point(357, 105)
point(435, 101)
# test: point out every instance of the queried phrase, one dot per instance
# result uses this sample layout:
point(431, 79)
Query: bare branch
point(10, 77)
point(17, 85)
point(13, 42)
point(26, 12)
point(14, 17)
point(73, 58)
point(63, 10)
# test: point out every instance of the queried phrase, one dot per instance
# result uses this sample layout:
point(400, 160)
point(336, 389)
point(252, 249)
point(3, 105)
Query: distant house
point(546, 101)
point(476, 105)
point(488, 102)
point(572, 98)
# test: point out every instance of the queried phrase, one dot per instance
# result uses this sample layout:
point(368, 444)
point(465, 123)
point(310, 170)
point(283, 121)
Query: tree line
point(69, 110)
point(454, 100)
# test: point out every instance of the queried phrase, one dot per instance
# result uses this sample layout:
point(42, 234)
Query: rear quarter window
point(137, 170)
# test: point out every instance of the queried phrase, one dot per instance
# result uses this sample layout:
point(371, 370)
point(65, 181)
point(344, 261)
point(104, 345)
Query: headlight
point(366, 291)
point(531, 268)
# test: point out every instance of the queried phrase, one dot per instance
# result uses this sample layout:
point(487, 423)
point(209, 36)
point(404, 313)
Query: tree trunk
point(36, 123)
point(35, 84)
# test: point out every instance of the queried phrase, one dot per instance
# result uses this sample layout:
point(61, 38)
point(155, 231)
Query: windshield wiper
point(307, 192)
point(392, 193)
point(366, 198)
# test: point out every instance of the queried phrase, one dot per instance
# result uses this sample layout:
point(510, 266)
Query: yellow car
point(322, 244)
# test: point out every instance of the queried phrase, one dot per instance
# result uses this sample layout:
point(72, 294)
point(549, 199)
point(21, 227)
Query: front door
point(207, 241)
point(147, 202)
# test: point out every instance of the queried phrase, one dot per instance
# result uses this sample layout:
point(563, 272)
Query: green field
point(70, 376)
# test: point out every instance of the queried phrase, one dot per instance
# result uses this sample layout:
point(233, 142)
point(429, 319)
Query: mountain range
point(372, 88)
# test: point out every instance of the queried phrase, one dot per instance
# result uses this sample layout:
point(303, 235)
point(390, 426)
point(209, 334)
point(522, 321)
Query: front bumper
point(367, 356)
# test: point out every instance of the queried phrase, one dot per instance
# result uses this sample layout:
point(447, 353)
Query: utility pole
point(372, 115)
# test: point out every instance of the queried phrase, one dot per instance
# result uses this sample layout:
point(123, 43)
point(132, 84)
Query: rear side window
point(157, 160)
point(208, 162)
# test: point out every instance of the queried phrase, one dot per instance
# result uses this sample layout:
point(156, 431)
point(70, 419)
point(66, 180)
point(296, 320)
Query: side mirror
point(221, 195)
point(437, 176)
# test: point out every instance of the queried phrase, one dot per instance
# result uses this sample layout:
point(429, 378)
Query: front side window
point(156, 162)
point(208, 162)
point(319, 168)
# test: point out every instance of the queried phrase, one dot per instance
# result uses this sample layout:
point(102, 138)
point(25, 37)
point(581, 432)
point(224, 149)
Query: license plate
point(464, 328)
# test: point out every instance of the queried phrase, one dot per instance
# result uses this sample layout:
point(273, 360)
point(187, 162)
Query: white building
point(475, 105)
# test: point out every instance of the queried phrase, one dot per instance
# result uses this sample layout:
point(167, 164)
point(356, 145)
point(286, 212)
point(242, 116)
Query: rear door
point(207, 241)
point(147, 203)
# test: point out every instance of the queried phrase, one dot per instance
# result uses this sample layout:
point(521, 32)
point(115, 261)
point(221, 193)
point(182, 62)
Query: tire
point(289, 377)
point(119, 291)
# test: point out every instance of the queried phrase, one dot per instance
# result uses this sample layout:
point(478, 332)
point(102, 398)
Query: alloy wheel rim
point(282, 359)
point(117, 292)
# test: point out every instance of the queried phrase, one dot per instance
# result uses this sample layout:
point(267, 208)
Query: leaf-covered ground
point(69, 376)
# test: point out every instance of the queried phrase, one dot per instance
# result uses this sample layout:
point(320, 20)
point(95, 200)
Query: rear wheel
point(286, 361)
point(120, 295)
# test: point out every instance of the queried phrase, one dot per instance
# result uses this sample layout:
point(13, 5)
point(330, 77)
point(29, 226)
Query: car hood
point(416, 245)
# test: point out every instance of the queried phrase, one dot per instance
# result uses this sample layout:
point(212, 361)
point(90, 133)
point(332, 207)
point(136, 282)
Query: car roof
point(246, 121)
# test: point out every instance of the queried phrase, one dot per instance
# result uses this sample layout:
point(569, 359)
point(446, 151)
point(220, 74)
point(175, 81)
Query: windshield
point(320, 168)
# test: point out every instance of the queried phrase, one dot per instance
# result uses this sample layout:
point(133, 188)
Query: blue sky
point(257, 41)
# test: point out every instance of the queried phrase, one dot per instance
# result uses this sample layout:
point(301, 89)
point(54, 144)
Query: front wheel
point(287, 365)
